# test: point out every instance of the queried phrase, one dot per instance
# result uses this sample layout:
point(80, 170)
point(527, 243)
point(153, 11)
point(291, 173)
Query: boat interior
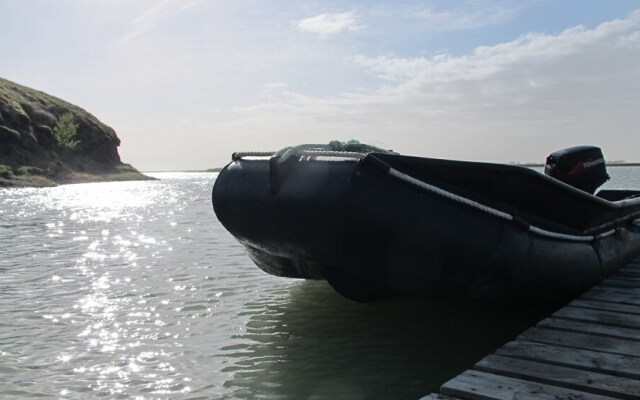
point(525, 193)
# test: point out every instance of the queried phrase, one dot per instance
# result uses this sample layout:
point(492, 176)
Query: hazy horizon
point(186, 83)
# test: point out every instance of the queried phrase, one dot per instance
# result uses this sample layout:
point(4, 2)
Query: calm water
point(134, 290)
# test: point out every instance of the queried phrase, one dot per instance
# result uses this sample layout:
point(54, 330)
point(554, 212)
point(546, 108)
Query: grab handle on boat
point(278, 169)
point(274, 181)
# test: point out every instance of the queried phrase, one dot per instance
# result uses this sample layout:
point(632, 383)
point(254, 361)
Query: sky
point(185, 83)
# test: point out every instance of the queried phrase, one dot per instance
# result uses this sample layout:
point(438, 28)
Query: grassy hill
point(32, 152)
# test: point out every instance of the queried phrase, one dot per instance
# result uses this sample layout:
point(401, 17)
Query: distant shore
point(32, 177)
point(185, 170)
point(613, 164)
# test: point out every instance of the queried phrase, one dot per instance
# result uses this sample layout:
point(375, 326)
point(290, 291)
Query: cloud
point(154, 15)
point(471, 16)
point(393, 68)
point(546, 91)
point(328, 24)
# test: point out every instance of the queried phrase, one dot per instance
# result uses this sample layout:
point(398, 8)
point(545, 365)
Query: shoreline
point(69, 178)
point(210, 170)
point(541, 165)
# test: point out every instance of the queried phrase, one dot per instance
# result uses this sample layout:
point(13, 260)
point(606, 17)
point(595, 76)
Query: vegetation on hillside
point(66, 131)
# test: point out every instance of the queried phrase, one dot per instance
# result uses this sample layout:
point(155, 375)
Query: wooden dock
point(589, 349)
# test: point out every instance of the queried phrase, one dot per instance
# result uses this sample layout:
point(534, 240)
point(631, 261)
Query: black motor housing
point(582, 167)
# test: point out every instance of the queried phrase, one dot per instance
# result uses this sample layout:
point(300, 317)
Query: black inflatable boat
point(377, 224)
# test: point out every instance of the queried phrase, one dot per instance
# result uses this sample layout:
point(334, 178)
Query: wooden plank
point(599, 317)
point(619, 283)
point(635, 275)
point(633, 280)
point(630, 309)
point(478, 385)
point(611, 295)
point(631, 291)
point(621, 280)
point(581, 341)
point(628, 291)
point(435, 396)
point(632, 266)
point(569, 378)
point(590, 328)
point(628, 270)
point(589, 360)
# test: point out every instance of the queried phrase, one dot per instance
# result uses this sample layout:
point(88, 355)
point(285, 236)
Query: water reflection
point(134, 290)
point(305, 341)
point(85, 271)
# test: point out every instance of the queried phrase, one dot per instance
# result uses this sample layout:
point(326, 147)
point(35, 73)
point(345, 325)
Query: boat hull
point(370, 235)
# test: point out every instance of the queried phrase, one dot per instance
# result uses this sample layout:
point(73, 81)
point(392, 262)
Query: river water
point(134, 290)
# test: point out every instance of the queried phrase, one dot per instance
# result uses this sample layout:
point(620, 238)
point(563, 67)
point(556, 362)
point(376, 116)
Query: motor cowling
point(582, 167)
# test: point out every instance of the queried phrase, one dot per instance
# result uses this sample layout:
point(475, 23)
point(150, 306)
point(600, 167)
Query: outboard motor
point(582, 167)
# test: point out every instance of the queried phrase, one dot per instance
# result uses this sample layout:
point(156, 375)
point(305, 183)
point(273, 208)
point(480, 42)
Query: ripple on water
point(129, 289)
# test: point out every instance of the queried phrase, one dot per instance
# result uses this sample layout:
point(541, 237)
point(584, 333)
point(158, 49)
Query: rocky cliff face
point(30, 154)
